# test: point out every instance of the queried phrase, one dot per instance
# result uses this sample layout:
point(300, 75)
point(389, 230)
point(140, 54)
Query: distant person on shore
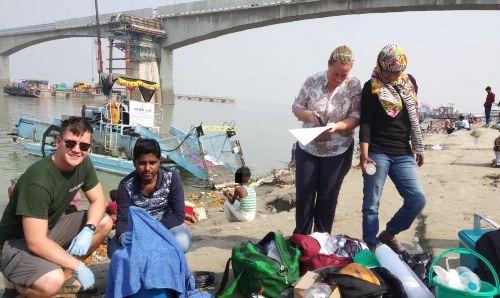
point(490, 99)
point(10, 189)
point(463, 123)
point(41, 247)
point(449, 126)
point(241, 204)
point(496, 148)
point(154, 188)
point(112, 207)
point(330, 97)
point(390, 138)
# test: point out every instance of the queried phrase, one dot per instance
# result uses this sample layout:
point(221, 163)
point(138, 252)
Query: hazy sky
point(454, 55)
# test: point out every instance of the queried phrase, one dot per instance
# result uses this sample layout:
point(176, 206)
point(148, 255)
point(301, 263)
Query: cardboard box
point(306, 281)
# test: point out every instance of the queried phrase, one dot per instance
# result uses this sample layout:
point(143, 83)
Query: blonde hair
point(497, 145)
point(342, 54)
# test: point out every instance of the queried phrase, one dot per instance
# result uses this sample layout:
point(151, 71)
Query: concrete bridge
point(188, 23)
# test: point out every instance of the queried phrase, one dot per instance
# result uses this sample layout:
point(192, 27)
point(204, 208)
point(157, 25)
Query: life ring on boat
point(37, 92)
point(67, 95)
point(53, 93)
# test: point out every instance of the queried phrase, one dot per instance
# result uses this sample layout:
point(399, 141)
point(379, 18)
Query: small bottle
point(416, 248)
point(469, 279)
point(370, 169)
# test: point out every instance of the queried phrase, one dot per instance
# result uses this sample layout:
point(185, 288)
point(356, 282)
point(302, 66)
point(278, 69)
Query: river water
point(260, 127)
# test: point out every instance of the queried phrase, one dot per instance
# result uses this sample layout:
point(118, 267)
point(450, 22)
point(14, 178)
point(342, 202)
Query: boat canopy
point(147, 88)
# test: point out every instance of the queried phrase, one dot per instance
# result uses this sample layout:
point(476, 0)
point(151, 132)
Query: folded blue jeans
point(402, 169)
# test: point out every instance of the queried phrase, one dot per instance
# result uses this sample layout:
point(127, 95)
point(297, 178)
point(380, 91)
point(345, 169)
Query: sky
point(453, 55)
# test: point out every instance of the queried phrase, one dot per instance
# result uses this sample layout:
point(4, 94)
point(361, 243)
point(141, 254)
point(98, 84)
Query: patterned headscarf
point(392, 58)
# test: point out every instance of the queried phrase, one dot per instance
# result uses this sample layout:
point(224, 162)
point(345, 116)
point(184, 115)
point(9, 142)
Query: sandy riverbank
point(458, 181)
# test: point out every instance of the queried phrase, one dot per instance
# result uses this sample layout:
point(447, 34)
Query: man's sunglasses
point(71, 144)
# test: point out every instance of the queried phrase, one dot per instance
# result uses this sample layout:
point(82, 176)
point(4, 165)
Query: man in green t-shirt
point(40, 246)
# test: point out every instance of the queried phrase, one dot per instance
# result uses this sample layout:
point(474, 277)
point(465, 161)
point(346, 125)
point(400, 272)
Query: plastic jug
point(416, 248)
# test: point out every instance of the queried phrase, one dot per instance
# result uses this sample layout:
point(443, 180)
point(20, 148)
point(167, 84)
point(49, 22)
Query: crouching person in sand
point(154, 188)
point(241, 204)
point(41, 248)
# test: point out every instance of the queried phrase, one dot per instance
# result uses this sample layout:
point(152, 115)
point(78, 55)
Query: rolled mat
point(413, 286)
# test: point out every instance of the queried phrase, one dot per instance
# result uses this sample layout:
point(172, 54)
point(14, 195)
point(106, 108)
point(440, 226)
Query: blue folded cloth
point(154, 260)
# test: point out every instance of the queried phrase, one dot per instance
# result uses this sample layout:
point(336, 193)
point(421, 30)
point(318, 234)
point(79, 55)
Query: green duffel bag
point(256, 272)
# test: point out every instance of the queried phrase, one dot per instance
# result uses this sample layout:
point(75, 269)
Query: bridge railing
point(201, 7)
point(28, 29)
point(181, 9)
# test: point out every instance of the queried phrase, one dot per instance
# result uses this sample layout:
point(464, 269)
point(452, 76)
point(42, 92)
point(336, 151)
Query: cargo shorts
point(22, 267)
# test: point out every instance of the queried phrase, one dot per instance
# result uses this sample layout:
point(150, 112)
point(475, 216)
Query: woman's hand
point(419, 157)
point(363, 161)
point(327, 134)
point(313, 117)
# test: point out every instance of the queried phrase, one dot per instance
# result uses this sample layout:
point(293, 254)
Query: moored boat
point(209, 153)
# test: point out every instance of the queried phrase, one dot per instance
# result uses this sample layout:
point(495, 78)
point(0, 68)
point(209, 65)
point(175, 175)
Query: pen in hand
point(321, 122)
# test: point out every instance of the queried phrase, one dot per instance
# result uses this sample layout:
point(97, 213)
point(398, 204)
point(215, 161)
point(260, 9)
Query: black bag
point(350, 286)
point(394, 286)
point(419, 263)
point(488, 245)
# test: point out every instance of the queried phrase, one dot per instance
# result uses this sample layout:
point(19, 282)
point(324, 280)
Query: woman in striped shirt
point(241, 204)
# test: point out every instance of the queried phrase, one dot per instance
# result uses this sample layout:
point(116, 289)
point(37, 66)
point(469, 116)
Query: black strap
point(225, 277)
point(229, 291)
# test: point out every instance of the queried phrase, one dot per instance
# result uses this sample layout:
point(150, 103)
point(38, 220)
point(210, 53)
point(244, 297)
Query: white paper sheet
point(306, 135)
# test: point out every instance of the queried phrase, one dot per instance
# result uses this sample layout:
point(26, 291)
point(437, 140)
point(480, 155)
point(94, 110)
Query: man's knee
point(49, 284)
point(419, 202)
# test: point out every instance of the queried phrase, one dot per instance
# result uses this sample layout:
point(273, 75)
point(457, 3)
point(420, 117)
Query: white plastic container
point(370, 169)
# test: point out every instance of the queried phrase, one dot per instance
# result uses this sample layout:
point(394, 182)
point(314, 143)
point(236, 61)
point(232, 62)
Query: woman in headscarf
point(330, 97)
point(391, 140)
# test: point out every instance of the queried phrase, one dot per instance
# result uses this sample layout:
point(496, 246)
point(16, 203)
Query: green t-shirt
point(44, 192)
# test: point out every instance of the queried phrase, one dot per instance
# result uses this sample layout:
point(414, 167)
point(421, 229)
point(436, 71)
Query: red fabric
point(311, 258)
point(189, 210)
point(490, 99)
point(113, 206)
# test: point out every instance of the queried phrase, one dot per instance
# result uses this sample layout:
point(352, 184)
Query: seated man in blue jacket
point(154, 188)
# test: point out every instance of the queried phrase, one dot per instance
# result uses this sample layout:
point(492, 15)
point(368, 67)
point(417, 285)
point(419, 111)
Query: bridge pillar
point(166, 77)
point(4, 70)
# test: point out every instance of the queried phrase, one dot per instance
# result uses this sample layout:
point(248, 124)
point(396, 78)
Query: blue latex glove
point(85, 276)
point(126, 238)
point(81, 243)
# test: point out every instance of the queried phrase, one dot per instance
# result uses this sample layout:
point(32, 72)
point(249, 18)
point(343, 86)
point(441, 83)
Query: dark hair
point(77, 125)
point(112, 194)
point(110, 211)
point(461, 117)
point(488, 88)
point(242, 175)
point(146, 146)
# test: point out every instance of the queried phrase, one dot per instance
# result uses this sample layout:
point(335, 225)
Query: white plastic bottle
point(469, 279)
point(416, 248)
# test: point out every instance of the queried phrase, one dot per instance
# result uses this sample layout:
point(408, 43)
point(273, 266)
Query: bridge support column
point(4, 70)
point(166, 77)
